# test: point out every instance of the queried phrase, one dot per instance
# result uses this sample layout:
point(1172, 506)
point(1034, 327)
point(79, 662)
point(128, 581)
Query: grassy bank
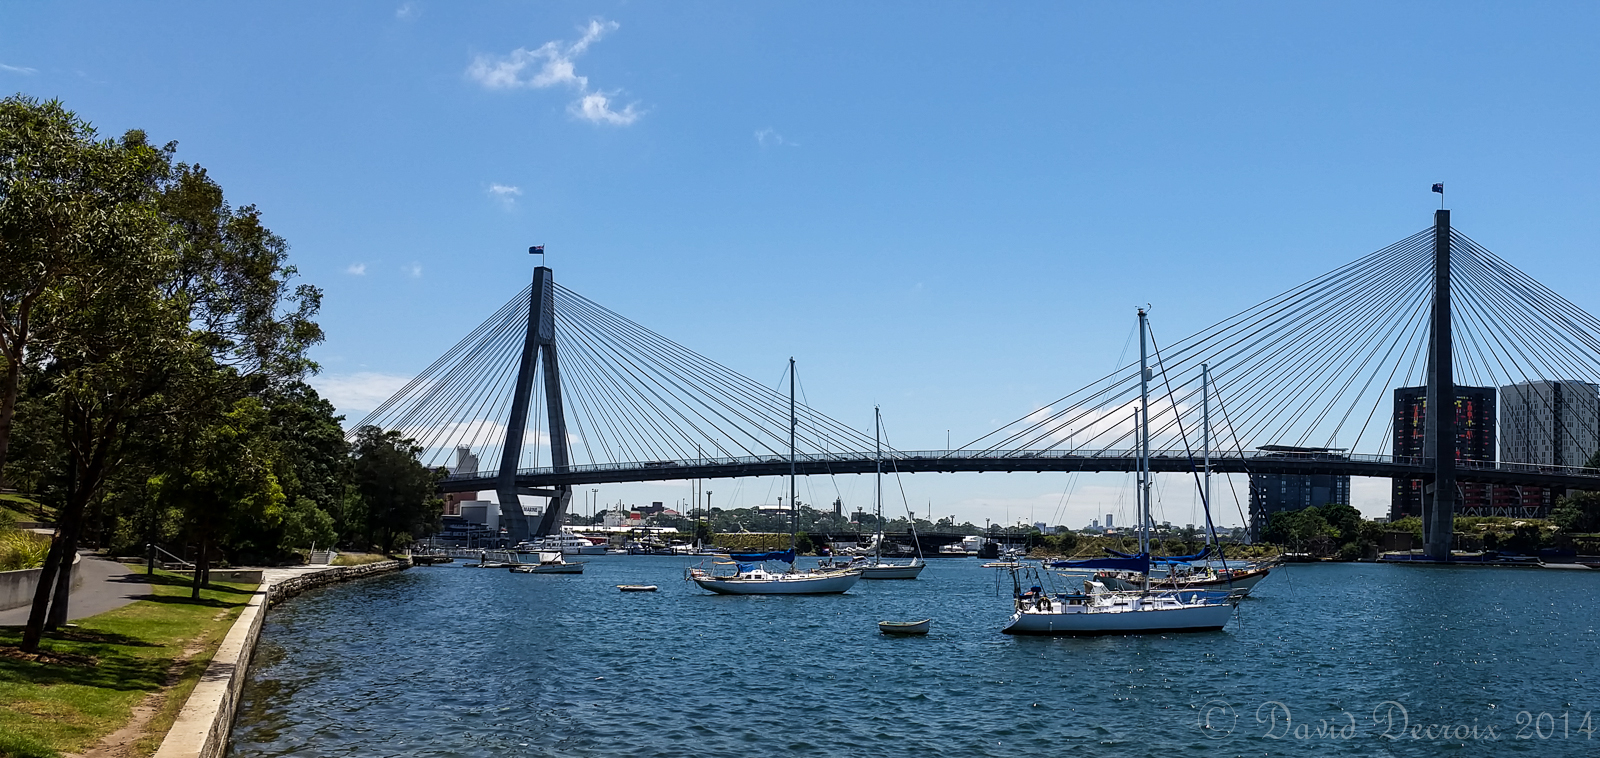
point(88, 679)
point(358, 559)
point(14, 508)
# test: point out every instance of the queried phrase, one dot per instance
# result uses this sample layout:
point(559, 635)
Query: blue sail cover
point(1171, 559)
point(786, 556)
point(1139, 564)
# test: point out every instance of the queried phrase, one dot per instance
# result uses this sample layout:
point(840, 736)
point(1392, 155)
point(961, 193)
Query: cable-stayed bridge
point(570, 393)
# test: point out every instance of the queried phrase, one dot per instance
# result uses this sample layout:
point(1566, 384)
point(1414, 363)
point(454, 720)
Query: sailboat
point(877, 568)
point(1182, 574)
point(750, 575)
point(1100, 610)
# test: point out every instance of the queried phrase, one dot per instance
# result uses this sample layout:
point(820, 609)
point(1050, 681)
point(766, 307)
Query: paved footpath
point(107, 586)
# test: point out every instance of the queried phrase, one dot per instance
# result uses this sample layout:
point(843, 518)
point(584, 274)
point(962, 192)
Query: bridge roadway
point(1010, 461)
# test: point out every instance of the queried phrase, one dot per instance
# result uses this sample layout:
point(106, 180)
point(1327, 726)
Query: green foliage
point(20, 549)
point(1577, 513)
point(753, 541)
point(1330, 530)
point(397, 489)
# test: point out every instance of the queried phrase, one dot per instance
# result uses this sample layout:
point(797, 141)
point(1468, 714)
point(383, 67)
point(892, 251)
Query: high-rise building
point(1271, 493)
point(1475, 441)
point(1108, 521)
point(1549, 423)
point(466, 461)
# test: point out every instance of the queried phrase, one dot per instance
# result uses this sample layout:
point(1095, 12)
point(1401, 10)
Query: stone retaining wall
point(202, 728)
point(17, 587)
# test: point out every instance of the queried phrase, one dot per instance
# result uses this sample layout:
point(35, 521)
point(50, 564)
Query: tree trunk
point(42, 593)
point(57, 614)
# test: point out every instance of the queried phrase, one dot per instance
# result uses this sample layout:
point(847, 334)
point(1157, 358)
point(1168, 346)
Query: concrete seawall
point(202, 727)
point(16, 587)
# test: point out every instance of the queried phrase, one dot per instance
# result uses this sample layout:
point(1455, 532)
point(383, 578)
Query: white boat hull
point(780, 584)
point(905, 627)
point(554, 568)
point(892, 571)
point(1061, 621)
point(1237, 587)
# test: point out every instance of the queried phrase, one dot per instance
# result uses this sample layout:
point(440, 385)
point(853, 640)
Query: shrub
point(22, 550)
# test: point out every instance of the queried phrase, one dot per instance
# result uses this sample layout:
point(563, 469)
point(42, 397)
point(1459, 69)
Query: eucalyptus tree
point(397, 490)
point(170, 309)
point(68, 202)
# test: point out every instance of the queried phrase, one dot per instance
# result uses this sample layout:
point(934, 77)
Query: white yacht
point(1099, 610)
point(750, 575)
point(565, 543)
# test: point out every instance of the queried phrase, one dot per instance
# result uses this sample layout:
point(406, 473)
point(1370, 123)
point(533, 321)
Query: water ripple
point(447, 661)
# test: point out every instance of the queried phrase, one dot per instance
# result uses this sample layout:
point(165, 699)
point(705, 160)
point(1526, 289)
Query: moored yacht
point(565, 543)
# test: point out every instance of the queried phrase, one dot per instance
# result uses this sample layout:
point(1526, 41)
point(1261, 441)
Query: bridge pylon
point(540, 342)
point(1439, 440)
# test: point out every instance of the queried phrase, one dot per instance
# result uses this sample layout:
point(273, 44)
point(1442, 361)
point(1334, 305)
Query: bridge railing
point(922, 456)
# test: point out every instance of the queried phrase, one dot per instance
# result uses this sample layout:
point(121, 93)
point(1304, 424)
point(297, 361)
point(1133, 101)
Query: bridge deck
point(958, 461)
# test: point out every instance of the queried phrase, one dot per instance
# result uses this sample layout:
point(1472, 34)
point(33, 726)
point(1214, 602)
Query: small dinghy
point(637, 587)
point(905, 627)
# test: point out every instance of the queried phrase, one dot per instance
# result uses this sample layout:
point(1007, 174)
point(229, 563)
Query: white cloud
point(770, 136)
point(357, 269)
point(358, 392)
point(408, 11)
point(506, 194)
point(596, 107)
point(413, 270)
point(24, 70)
point(551, 65)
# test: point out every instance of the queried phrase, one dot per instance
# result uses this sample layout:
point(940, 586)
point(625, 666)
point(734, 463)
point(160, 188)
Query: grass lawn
point(97, 672)
point(359, 559)
point(15, 508)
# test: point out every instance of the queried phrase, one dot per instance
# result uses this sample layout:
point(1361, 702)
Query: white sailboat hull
point(892, 571)
point(1060, 621)
point(549, 568)
point(1238, 586)
point(779, 584)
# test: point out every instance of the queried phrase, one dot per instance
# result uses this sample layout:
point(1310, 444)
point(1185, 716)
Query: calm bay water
point(1339, 659)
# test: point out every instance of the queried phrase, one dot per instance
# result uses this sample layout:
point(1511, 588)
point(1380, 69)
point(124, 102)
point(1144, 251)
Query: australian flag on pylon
point(539, 249)
point(1439, 188)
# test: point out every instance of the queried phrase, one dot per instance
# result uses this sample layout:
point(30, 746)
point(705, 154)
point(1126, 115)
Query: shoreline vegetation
point(154, 350)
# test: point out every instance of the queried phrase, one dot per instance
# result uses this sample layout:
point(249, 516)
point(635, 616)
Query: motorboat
point(967, 546)
point(637, 587)
point(566, 543)
point(550, 562)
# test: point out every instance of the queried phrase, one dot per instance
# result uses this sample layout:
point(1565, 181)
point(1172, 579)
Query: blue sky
point(948, 209)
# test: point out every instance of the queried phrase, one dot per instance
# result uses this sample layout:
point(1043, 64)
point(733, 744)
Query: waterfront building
point(1272, 493)
point(1549, 423)
point(1475, 409)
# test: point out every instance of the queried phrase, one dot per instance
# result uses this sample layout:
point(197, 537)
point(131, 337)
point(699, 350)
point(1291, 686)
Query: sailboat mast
point(877, 441)
point(794, 512)
point(1205, 413)
point(1144, 438)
